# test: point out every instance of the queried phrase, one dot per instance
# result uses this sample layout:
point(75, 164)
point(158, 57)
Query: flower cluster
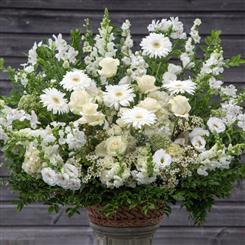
point(101, 113)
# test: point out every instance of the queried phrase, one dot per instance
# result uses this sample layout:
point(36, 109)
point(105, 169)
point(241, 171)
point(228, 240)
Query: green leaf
point(235, 61)
point(1, 64)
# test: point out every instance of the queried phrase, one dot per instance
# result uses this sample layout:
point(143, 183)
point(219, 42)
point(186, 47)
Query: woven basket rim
point(126, 217)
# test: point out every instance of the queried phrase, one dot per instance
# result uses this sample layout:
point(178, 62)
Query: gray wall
point(23, 22)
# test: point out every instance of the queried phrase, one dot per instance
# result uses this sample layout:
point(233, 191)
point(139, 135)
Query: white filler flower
point(54, 100)
point(162, 159)
point(138, 117)
point(180, 87)
point(76, 79)
point(156, 45)
point(118, 95)
point(216, 125)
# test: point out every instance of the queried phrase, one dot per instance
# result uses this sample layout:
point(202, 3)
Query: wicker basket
point(126, 217)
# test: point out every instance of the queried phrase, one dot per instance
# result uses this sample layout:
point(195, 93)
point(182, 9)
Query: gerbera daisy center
point(56, 100)
point(156, 45)
point(119, 94)
point(139, 116)
point(75, 79)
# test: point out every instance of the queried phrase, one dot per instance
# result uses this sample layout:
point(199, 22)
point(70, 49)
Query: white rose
point(78, 99)
point(114, 130)
point(71, 170)
point(32, 162)
point(108, 67)
point(115, 145)
point(150, 104)
point(146, 83)
point(49, 176)
point(216, 125)
point(179, 106)
point(91, 115)
point(161, 96)
point(199, 143)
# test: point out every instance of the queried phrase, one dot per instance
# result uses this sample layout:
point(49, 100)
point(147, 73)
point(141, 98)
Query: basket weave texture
point(125, 217)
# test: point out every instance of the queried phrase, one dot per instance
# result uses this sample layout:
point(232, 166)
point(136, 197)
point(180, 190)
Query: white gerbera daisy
point(156, 45)
point(138, 117)
point(162, 159)
point(76, 79)
point(54, 100)
point(180, 87)
point(118, 95)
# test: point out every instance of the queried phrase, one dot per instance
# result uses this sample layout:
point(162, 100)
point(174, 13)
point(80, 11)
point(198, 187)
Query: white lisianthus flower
point(146, 84)
point(54, 100)
point(49, 176)
point(32, 162)
point(241, 121)
point(180, 141)
point(175, 69)
point(158, 25)
point(230, 91)
point(63, 180)
point(198, 132)
point(118, 95)
point(76, 79)
point(176, 87)
point(186, 61)
point(150, 104)
point(179, 106)
point(75, 139)
point(198, 143)
point(215, 84)
point(162, 159)
point(216, 125)
point(138, 117)
point(115, 145)
point(77, 100)
point(113, 174)
point(90, 115)
point(3, 135)
point(71, 170)
point(177, 28)
point(108, 67)
point(74, 184)
point(168, 77)
point(156, 45)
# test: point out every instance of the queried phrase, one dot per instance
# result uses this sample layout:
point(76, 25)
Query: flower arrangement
point(98, 123)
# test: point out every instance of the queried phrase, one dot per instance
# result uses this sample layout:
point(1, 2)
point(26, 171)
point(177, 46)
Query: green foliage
point(76, 44)
point(1, 64)
point(198, 193)
point(235, 61)
point(49, 64)
point(212, 42)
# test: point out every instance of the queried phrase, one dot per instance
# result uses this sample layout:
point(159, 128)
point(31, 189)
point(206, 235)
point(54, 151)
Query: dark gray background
point(23, 22)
